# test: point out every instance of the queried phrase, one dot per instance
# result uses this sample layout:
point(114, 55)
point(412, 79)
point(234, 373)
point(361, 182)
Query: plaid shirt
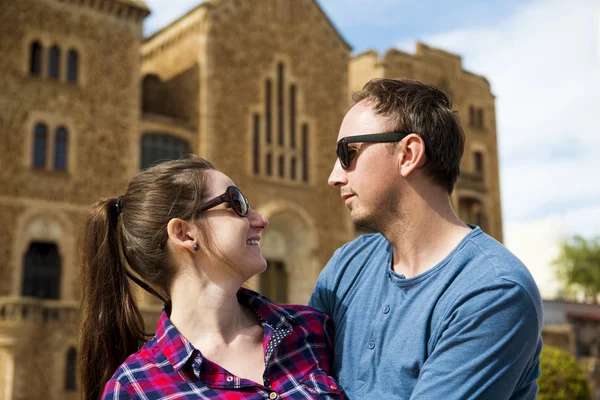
point(298, 350)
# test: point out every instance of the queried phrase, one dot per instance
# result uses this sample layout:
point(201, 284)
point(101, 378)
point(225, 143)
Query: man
point(429, 308)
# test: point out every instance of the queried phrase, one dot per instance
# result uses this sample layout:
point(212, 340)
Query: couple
point(429, 308)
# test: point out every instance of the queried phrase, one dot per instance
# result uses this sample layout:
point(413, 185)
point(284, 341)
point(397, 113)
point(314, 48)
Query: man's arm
point(487, 348)
point(323, 296)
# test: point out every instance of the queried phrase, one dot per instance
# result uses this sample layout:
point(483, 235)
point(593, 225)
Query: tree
point(578, 266)
point(562, 378)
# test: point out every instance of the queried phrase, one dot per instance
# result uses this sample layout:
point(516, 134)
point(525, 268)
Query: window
point(162, 147)
point(476, 117)
point(60, 148)
point(39, 145)
point(280, 143)
point(478, 162)
point(280, 104)
point(42, 271)
point(274, 282)
point(305, 153)
point(70, 370)
point(256, 144)
point(72, 66)
point(35, 59)
point(54, 63)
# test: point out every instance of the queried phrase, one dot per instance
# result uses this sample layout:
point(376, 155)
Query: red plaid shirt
point(298, 347)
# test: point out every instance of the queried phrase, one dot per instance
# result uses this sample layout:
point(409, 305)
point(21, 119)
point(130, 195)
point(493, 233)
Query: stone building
point(477, 194)
point(259, 87)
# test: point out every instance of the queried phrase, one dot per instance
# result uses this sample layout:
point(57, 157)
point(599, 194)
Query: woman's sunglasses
point(233, 196)
point(346, 156)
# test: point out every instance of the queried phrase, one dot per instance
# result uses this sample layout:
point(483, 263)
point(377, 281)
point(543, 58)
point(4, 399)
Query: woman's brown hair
point(126, 238)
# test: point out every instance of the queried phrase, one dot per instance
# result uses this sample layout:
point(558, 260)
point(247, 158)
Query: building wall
point(474, 192)
point(100, 112)
point(246, 45)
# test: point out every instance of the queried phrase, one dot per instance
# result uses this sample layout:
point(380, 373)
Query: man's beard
point(377, 217)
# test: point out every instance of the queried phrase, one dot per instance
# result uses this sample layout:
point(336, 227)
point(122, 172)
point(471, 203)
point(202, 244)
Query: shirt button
point(273, 396)
point(386, 309)
point(229, 378)
point(371, 345)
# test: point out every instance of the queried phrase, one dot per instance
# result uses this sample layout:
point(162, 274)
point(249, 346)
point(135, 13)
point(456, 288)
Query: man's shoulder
point(503, 265)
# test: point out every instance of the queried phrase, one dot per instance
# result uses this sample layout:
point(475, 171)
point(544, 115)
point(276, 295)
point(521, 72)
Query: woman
point(185, 233)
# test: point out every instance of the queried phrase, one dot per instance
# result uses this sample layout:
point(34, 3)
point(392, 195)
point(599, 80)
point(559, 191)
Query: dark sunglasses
point(233, 196)
point(346, 155)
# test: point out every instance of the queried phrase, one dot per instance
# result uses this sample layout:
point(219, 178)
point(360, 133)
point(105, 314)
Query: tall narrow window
point(293, 174)
point(60, 148)
point(480, 124)
point(72, 66)
point(268, 116)
point(478, 162)
point(54, 63)
point(305, 152)
point(256, 144)
point(35, 59)
point(293, 116)
point(280, 104)
point(281, 166)
point(162, 147)
point(472, 122)
point(40, 139)
point(42, 271)
point(269, 164)
point(70, 370)
point(274, 282)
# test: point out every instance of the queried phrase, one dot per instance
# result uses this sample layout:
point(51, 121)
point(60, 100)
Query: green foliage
point(578, 266)
point(562, 378)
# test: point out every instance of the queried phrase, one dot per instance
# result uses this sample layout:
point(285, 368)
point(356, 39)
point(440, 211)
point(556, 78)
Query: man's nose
point(337, 176)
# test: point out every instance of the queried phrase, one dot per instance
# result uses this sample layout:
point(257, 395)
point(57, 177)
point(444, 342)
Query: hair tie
point(119, 205)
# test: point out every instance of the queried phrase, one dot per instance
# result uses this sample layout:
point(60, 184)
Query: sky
point(542, 58)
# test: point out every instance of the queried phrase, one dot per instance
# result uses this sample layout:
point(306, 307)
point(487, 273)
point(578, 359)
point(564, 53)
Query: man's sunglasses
point(233, 196)
point(346, 155)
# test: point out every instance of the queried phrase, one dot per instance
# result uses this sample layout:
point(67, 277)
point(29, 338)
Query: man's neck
point(424, 237)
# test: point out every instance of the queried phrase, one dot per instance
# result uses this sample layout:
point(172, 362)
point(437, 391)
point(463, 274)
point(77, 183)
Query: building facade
point(259, 87)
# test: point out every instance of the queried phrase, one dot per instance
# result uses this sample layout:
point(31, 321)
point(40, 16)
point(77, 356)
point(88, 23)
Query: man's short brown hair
point(415, 107)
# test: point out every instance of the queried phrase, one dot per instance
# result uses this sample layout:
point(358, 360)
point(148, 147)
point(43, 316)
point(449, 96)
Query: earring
point(196, 247)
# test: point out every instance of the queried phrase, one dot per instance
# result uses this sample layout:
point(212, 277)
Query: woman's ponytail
point(111, 327)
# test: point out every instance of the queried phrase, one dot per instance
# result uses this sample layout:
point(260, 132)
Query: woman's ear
point(411, 155)
point(183, 235)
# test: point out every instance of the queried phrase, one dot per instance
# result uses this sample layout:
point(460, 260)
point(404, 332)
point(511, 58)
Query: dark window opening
point(40, 139)
point(274, 282)
point(70, 370)
point(54, 63)
point(72, 66)
point(256, 144)
point(42, 271)
point(60, 149)
point(35, 61)
point(158, 147)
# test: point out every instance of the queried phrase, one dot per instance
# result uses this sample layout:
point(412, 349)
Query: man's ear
point(183, 234)
point(411, 155)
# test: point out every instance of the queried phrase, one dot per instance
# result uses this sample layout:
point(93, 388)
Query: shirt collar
point(178, 350)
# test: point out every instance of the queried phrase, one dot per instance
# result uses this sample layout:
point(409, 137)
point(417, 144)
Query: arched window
point(41, 271)
point(40, 139)
point(60, 148)
point(35, 59)
point(70, 370)
point(274, 282)
point(162, 147)
point(72, 66)
point(54, 63)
